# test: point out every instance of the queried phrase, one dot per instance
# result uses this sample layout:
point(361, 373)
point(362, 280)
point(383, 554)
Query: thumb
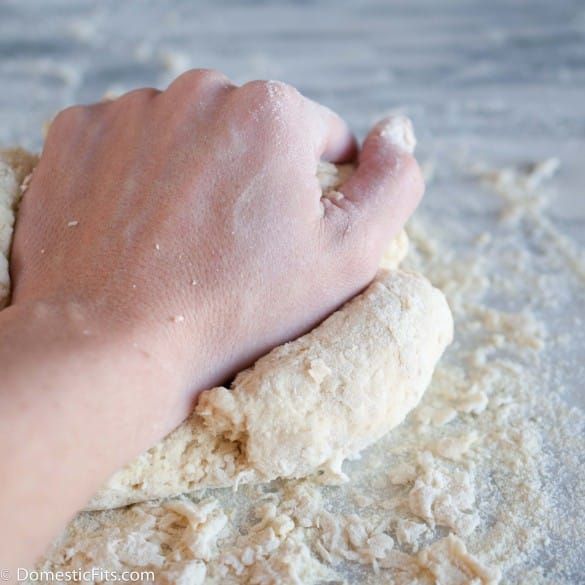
point(386, 186)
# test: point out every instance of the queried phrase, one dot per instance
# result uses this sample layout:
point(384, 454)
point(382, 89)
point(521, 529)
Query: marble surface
point(503, 78)
point(500, 82)
point(497, 82)
point(494, 69)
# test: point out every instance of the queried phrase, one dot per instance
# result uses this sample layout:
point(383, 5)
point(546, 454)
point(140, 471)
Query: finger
point(387, 185)
point(336, 142)
point(195, 79)
point(198, 88)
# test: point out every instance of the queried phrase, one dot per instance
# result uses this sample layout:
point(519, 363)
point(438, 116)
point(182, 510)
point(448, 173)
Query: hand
point(190, 221)
point(165, 241)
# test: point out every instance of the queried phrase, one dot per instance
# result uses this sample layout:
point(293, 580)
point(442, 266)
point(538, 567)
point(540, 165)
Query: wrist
point(117, 358)
point(77, 402)
point(65, 327)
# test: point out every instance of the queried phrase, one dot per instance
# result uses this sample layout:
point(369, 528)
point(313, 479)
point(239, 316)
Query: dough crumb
point(494, 514)
point(455, 447)
point(448, 561)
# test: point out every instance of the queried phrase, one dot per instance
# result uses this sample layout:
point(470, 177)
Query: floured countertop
point(486, 479)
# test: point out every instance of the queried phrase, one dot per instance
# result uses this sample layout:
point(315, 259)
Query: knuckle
point(70, 116)
point(195, 76)
point(254, 89)
point(195, 79)
point(273, 107)
point(283, 91)
point(66, 122)
point(142, 95)
point(272, 92)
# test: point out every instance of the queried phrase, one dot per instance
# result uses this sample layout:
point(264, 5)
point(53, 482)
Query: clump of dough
point(16, 165)
point(308, 404)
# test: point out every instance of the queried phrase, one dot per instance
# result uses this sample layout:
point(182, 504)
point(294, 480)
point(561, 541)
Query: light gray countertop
point(499, 77)
point(496, 82)
point(499, 82)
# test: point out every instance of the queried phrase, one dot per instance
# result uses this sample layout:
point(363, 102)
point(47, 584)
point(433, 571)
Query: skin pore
point(166, 240)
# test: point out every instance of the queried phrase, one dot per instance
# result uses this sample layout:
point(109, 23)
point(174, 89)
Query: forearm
point(76, 403)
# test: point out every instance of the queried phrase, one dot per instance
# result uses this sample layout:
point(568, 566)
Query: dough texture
point(304, 407)
point(15, 166)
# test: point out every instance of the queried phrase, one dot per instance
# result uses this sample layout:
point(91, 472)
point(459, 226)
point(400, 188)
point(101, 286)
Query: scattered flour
point(483, 484)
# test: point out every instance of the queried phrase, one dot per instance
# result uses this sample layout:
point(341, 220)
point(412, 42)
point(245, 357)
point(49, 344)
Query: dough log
point(304, 407)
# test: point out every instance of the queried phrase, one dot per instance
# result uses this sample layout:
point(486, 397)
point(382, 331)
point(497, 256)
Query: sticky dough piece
point(308, 404)
point(15, 166)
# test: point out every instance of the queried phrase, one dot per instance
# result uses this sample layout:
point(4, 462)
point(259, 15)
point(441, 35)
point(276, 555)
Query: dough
point(15, 166)
point(304, 407)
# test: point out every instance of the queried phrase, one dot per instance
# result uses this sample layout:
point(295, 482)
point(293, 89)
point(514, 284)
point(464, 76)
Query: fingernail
point(398, 131)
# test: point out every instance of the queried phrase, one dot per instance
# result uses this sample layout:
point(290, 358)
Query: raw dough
point(15, 165)
point(304, 407)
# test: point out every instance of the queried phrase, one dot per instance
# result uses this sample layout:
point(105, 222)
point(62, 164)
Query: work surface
point(495, 90)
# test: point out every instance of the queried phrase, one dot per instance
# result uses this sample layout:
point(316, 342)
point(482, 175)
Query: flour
point(443, 497)
point(15, 169)
point(484, 482)
point(307, 405)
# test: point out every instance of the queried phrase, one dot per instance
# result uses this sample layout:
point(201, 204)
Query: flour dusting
point(468, 490)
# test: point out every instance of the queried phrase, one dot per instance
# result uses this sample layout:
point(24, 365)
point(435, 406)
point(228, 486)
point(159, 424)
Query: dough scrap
point(15, 166)
point(304, 407)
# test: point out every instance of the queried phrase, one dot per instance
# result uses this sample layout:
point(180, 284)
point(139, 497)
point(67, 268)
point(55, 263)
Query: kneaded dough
point(304, 407)
point(15, 166)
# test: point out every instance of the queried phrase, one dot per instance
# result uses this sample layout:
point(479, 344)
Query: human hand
point(189, 223)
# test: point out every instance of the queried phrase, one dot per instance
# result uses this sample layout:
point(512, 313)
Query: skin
point(201, 242)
